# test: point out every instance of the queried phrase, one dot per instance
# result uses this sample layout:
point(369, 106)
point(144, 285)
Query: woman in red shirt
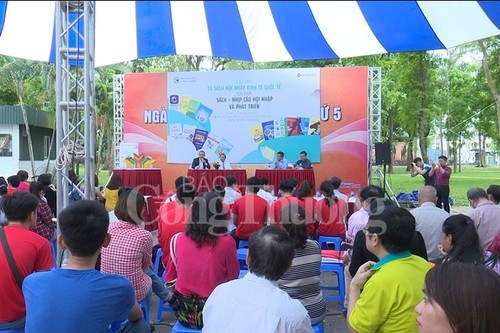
point(202, 257)
point(330, 212)
point(305, 194)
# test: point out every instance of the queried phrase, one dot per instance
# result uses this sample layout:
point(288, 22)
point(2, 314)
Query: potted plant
point(216, 165)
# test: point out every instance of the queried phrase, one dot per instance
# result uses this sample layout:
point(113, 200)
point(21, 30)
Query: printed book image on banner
point(248, 115)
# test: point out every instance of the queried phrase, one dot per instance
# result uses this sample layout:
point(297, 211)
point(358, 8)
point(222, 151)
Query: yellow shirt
point(111, 198)
point(387, 302)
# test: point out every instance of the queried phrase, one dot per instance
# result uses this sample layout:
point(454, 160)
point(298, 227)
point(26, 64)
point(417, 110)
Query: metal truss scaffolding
point(75, 131)
point(374, 119)
point(118, 115)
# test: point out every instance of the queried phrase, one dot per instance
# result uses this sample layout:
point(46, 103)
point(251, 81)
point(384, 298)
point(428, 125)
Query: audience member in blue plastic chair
point(129, 251)
point(255, 303)
point(201, 258)
point(302, 281)
point(78, 297)
point(30, 253)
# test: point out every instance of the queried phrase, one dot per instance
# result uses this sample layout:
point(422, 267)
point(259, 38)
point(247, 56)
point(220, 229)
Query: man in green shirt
point(383, 295)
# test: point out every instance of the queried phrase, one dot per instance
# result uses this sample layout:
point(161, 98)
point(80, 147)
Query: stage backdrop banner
point(342, 111)
point(344, 127)
point(248, 115)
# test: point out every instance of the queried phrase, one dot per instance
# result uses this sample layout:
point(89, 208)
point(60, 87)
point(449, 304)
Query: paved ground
point(334, 322)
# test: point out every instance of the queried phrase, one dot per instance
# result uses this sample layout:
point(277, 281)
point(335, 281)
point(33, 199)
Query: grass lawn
point(471, 176)
point(103, 177)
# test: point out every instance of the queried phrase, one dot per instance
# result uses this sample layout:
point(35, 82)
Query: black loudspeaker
point(383, 153)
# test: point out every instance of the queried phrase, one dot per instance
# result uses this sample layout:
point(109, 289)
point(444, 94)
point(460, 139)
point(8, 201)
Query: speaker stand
point(386, 187)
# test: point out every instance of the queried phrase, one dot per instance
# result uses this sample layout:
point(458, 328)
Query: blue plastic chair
point(159, 254)
point(161, 307)
point(179, 328)
point(243, 244)
point(325, 240)
point(116, 325)
point(241, 254)
point(337, 268)
point(243, 272)
point(53, 247)
point(318, 328)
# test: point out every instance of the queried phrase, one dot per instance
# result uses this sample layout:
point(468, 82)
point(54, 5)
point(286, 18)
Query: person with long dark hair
point(302, 280)
point(459, 298)
point(129, 251)
point(111, 192)
point(202, 257)
point(330, 212)
point(460, 241)
point(44, 226)
point(305, 195)
point(50, 191)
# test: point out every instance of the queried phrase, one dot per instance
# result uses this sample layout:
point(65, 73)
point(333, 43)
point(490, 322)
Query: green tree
point(22, 74)
point(490, 50)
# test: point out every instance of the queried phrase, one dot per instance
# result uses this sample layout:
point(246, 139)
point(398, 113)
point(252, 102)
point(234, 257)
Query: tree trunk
point(460, 154)
point(483, 150)
point(422, 122)
point(479, 152)
point(110, 155)
point(454, 154)
point(491, 83)
point(390, 134)
point(27, 126)
point(50, 147)
point(100, 137)
point(409, 155)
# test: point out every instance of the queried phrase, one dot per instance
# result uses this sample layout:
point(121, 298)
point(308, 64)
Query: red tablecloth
point(151, 210)
point(276, 176)
point(205, 180)
point(146, 181)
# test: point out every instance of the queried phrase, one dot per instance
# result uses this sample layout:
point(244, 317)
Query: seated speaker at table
point(223, 163)
point(280, 163)
point(303, 162)
point(200, 162)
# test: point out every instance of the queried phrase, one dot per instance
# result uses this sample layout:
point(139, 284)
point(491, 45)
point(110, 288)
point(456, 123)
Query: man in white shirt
point(265, 191)
point(255, 303)
point(280, 163)
point(232, 193)
point(429, 220)
point(224, 163)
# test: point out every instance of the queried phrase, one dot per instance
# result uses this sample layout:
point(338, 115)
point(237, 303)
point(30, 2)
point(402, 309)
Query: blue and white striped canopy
point(253, 30)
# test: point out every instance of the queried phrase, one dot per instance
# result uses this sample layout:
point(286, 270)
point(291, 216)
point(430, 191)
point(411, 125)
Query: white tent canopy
point(252, 30)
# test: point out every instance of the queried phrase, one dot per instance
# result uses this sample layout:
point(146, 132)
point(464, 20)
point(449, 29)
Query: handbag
point(188, 309)
point(10, 258)
point(170, 285)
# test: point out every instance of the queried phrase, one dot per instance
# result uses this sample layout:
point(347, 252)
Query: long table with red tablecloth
point(276, 176)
